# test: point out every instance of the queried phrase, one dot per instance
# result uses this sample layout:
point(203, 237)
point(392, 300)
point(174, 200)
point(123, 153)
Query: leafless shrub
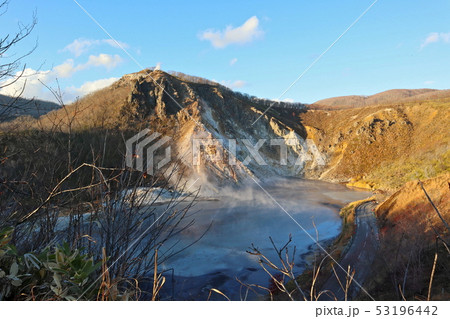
point(285, 284)
point(11, 69)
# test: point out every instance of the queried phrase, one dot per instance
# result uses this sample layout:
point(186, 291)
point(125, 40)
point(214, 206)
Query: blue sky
point(256, 47)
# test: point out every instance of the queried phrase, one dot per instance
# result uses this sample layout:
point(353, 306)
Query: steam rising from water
point(246, 215)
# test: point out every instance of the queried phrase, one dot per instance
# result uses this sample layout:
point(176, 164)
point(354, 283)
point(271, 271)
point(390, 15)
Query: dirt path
point(359, 256)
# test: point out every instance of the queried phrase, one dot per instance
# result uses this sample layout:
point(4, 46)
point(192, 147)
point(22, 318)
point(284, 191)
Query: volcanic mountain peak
point(186, 108)
point(357, 144)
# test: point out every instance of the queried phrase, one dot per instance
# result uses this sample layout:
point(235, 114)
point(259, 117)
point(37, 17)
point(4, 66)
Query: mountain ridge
point(385, 97)
point(13, 107)
point(377, 146)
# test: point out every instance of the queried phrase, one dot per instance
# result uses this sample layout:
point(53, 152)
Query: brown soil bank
point(410, 203)
point(413, 239)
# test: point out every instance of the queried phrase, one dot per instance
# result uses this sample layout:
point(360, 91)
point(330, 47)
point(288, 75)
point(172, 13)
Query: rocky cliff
point(379, 146)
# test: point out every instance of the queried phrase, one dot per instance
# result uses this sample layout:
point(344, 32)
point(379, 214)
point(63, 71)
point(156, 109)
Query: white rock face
point(220, 136)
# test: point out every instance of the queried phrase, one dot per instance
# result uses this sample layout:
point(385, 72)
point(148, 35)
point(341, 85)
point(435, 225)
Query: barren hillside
point(382, 146)
point(409, 232)
point(386, 97)
point(379, 146)
point(187, 108)
point(11, 107)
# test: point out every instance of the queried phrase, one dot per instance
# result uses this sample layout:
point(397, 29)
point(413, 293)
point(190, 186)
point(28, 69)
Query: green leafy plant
point(60, 273)
point(9, 268)
point(68, 274)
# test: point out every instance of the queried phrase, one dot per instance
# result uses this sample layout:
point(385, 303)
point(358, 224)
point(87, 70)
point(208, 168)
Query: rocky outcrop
point(220, 123)
point(380, 146)
point(366, 146)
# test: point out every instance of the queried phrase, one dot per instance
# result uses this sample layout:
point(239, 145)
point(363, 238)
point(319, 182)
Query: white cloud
point(429, 82)
point(80, 46)
point(158, 66)
point(233, 61)
point(234, 84)
point(66, 69)
point(34, 80)
point(245, 33)
point(238, 84)
point(435, 37)
point(91, 86)
point(115, 43)
point(30, 79)
point(287, 100)
point(106, 60)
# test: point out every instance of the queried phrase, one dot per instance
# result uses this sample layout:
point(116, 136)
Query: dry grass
point(383, 146)
point(413, 260)
point(322, 266)
point(386, 97)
